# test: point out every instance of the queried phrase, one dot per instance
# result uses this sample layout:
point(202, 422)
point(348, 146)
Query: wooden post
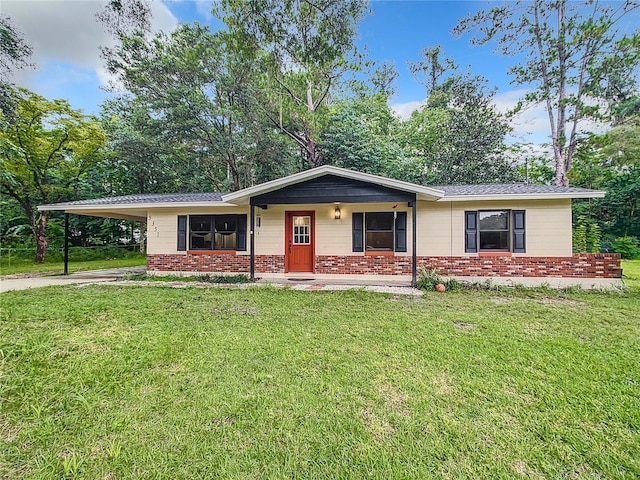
point(414, 237)
point(252, 256)
point(66, 244)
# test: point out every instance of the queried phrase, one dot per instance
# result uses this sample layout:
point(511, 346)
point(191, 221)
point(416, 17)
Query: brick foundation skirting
point(589, 265)
point(363, 265)
point(596, 265)
point(198, 263)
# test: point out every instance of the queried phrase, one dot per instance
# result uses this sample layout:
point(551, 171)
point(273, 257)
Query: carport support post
point(252, 256)
point(414, 236)
point(66, 243)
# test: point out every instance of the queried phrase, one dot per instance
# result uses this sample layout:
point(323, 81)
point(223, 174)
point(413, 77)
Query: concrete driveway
point(20, 282)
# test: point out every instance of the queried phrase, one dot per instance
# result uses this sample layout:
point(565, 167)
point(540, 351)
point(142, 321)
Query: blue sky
point(66, 40)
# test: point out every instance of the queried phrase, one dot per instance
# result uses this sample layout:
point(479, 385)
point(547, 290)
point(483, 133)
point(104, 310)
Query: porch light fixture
point(337, 213)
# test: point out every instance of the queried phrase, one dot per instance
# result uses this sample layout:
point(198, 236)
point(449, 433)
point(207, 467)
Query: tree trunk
point(315, 157)
point(561, 170)
point(39, 230)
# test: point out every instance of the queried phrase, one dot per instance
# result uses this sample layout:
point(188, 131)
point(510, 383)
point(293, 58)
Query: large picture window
point(212, 232)
point(493, 228)
point(494, 231)
point(380, 232)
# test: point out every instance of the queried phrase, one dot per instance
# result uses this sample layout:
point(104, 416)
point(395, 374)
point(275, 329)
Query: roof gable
point(242, 197)
point(330, 189)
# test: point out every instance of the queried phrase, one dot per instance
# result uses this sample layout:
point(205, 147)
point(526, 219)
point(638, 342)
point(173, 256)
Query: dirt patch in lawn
point(395, 399)
point(559, 301)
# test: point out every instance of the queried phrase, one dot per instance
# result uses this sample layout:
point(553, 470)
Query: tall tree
point(566, 47)
point(431, 68)
point(611, 162)
point(14, 50)
point(122, 18)
point(43, 154)
point(195, 97)
point(14, 54)
point(457, 136)
point(360, 134)
point(310, 45)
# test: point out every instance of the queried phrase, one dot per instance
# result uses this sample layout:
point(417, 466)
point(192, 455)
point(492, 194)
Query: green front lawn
point(631, 274)
point(151, 382)
point(57, 267)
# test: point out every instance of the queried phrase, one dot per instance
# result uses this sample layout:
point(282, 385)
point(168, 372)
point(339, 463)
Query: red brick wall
point(198, 263)
point(214, 263)
point(588, 265)
point(577, 266)
point(363, 265)
point(269, 264)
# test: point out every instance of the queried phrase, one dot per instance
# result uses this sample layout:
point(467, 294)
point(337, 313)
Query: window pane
point(200, 232)
point(498, 220)
point(379, 221)
point(225, 223)
point(299, 221)
point(301, 230)
point(381, 241)
point(200, 223)
point(201, 241)
point(494, 240)
point(225, 241)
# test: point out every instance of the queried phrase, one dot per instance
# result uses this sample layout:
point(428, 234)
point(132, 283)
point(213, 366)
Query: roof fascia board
point(522, 196)
point(132, 206)
point(242, 196)
point(109, 214)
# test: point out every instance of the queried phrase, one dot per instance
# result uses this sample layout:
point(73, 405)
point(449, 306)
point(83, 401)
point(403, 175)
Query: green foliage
point(14, 51)
point(587, 236)
point(44, 153)
point(429, 278)
point(607, 162)
point(580, 238)
point(360, 134)
point(193, 110)
point(573, 58)
point(203, 278)
point(627, 247)
point(442, 153)
point(594, 237)
point(307, 47)
point(431, 68)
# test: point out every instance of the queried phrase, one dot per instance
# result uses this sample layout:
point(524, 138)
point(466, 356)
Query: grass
point(151, 382)
point(631, 274)
point(201, 278)
point(57, 267)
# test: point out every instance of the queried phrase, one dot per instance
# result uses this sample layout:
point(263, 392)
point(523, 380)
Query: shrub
point(628, 247)
point(580, 238)
point(429, 278)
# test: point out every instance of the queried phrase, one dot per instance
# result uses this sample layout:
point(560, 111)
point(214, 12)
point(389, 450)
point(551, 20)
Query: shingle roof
point(451, 192)
point(150, 198)
point(506, 189)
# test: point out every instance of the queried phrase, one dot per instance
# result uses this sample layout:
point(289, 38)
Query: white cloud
point(67, 32)
point(404, 110)
point(532, 123)
point(203, 8)
point(529, 124)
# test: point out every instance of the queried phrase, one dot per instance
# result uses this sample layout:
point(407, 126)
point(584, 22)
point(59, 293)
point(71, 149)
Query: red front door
point(299, 241)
